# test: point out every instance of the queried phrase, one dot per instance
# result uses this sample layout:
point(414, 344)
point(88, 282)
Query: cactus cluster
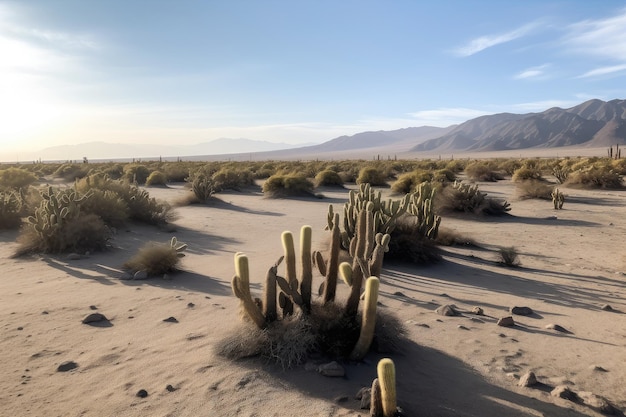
point(54, 212)
point(11, 204)
point(558, 198)
point(421, 206)
point(293, 291)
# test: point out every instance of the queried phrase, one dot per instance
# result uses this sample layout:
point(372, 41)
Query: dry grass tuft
point(155, 259)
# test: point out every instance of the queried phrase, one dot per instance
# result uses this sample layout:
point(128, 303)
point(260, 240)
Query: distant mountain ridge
point(594, 123)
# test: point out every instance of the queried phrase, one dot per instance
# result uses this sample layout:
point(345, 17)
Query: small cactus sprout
point(368, 323)
point(241, 289)
point(345, 270)
point(387, 380)
point(558, 198)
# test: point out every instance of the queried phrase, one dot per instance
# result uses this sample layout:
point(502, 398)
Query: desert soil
point(572, 263)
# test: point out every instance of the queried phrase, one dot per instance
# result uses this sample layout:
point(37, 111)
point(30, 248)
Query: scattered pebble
point(142, 393)
point(597, 368)
point(170, 320)
point(44, 312)
point(460, 326)
point(563, 391)
point(606, 307)
point(478, 311)
point(92, 307)
point(139, 275)
point(506, 322)
point(20, 328)
point(528, 380)
point(447, 310)
point(191, 305)
point(399, 294)
point(170, 388)
point(94, 318)
point(67, 366)
point(557, 327)
point(521, 311)
point(331, 369)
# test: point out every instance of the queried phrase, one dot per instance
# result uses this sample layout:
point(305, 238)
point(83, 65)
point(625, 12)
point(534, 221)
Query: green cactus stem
point(558, 198)
point(241, 289)
point(290, 263)
point(306, 277)
point(376, 402)
point(387, 379)
point(269, 302)
point(329, 269)
point(382, 246)
point(368, 322)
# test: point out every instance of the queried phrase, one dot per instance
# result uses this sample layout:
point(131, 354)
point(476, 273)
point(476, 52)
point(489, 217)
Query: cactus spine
point(387, 379)
point(368, 323)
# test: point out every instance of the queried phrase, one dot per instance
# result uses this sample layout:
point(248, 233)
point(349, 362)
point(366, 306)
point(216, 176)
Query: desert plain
point(573, 265)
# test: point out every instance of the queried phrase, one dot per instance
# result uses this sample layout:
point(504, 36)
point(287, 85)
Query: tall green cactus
point(387, 380)
point(558, 198)
point(241, 289)
point(368, 322)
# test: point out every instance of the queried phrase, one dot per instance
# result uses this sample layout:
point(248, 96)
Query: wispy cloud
point(604, 71)
point(537, 72)
point(604, 38)
point(481, 43)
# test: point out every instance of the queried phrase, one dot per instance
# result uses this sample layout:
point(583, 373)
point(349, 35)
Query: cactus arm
point(269, 303)
point(330, 283)
point(382, 246)
point(290, 256)
point(241, 290)
point(387, 379)
point(306, 280)
point(368, 322)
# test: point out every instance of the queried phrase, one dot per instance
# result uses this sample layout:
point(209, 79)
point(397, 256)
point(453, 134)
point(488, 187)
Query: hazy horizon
point(179, 74)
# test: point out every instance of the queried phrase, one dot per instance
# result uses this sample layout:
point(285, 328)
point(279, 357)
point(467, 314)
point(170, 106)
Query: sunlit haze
point(185, 72)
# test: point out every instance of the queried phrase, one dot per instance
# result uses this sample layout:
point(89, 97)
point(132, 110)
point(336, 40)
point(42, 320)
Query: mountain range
point(592, 124)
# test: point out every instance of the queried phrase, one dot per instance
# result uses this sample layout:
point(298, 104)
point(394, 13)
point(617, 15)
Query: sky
point(292, 71)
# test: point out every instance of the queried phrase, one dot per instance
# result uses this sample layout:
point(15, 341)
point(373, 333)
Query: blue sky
point(164, 71)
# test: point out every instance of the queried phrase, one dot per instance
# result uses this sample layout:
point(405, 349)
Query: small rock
point(92, 307)
point(478, 311)
point(557, 327)
point(460, 326)
point(126, 276)
point(606, 307)
point(521, 311)
point(170, 388)
point(563, 391)
point(527, 380)
point(170, 320)
point(139, 275)
point(191, 305)
point(597, 368)
point(331, 369)
point(446, 310)
point(67, 366)
point(20, 328)
point(598, 403)
point(142, 393)
point(426, 326)
point(365, 396)
point(94, 318)
point(399, 294)
point(44, 312)
point(506, 322)
point(73, 256)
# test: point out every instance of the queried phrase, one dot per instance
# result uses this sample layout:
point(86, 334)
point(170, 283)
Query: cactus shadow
point(429, 383)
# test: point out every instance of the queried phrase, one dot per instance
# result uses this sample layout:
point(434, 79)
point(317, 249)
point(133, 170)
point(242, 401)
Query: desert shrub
point(10, 210)
point(619, 166)
point(328, 178)
point(16, 179)
point(408, 182)
point(508, 256)
point(509, 166)
point(595, 176)
point(372, 176)
point(465, 198)
point(58, 225)
point(156, 258)
point(482, 171)
point(232, 179)
point(409, 244)
point(443, 176)
point(456, 165)
point(136, 173)
point(281, 185)
point(114, 172)
point(176, 171)
point(146, 209)
point(533, 189)
point(202, 187)
point(70, 172)
point(156, 178)
point(527, 173)
point(561, 173)
point(107, 205)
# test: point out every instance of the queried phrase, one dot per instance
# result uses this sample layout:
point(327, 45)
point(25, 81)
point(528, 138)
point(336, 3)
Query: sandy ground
point(571, 265)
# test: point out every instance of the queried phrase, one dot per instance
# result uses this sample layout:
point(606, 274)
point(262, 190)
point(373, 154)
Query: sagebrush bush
point(232, 179)
point(408, 182)
point(289, 185)
point(71, 172)
point(176, 171)
point(482, 171)
point(157, 258)
point(595, 176)
point(533, 189)
point(136, 173)
point(465, 198)
point(107, 205)
point(527, 173)
point(16, 179)
point(328, 178)
point(11, 206)
point(202, 187)
point(156, 178)
point(509, 257)
point(372, 176)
